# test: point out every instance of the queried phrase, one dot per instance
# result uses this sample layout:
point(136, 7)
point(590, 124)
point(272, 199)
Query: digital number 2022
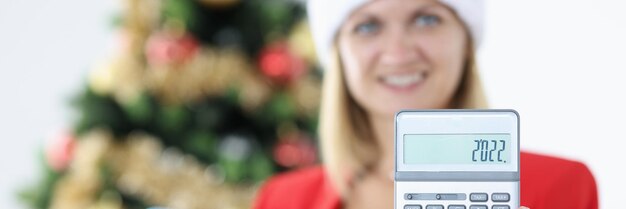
point(489, 151)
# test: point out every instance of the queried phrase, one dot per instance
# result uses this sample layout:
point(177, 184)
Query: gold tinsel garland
point(141, 167)
point(209, 73)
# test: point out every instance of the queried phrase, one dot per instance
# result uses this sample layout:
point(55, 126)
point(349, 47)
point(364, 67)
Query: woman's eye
point(427, 20)
point(367, 28)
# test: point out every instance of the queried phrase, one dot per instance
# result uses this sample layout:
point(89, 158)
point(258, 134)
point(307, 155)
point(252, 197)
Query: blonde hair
point(346, 141)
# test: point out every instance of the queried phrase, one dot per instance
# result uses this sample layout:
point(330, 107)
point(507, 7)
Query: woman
point(382, 56)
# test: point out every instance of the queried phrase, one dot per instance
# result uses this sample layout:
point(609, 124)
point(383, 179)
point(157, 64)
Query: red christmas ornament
point(295, 152)
point(59, 154)
point(281, 65)
point(163, 48)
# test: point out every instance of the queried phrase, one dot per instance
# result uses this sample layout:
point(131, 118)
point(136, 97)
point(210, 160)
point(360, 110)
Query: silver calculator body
point(457, 159)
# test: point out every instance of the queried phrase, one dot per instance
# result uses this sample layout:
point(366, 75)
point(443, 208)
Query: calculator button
point(412, 207)
point(451, 196)
point(456, 206)
point(500, 197)
point(500, 207)
point(410, 196)
point(478, 207)
point(478, 197)
point(434, 207)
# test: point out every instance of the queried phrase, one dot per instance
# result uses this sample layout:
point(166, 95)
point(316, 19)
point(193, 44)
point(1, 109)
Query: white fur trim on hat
point(327, 16)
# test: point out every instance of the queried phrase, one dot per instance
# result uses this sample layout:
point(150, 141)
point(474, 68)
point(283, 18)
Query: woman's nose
point(399, 49)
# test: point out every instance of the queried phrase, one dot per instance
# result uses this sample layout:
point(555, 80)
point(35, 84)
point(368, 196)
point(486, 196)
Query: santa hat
point(326, 16)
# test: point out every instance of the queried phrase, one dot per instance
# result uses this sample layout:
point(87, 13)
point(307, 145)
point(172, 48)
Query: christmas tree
point(206, 99)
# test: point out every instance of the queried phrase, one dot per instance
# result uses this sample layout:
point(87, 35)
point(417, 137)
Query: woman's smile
point(403, 81)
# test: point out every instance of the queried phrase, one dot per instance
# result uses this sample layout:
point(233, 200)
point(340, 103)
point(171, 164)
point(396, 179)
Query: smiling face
point(402, 54)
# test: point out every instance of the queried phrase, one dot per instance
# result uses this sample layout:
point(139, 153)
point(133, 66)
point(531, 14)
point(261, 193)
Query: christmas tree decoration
point(60, 152)
point(165, 48)
point(301, 42)
point(102, 79)
point(204, 101)
point(306, 93)
point(255, 92)
point(280, 64)
point(295, 151)
point(121, 78)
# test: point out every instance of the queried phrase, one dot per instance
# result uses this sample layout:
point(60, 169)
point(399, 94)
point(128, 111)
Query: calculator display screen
point(457, 149)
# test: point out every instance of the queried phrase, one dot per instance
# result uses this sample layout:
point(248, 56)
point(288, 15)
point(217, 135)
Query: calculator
point(457, 159)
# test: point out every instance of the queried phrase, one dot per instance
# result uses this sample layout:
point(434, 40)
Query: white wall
point(560, 63)
point(46, 50)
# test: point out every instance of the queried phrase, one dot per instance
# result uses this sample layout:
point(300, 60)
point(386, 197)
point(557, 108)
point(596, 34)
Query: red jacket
point(546, 183)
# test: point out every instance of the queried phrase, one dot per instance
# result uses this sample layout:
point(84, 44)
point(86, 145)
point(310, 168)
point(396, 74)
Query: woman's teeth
point(403, 80)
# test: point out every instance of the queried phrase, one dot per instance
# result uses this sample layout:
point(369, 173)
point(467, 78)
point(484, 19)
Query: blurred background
point(558, 63)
